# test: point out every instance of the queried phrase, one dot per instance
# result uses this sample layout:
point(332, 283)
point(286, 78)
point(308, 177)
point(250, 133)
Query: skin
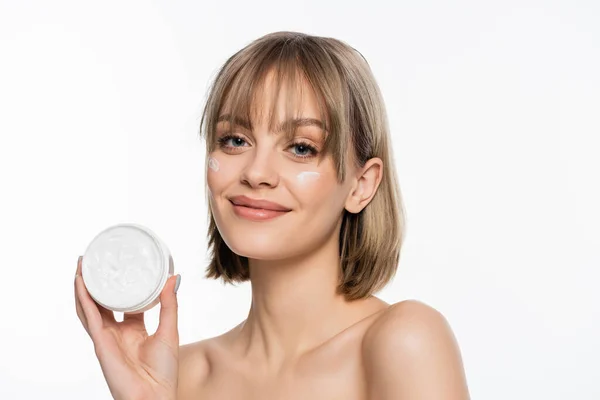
point(300, 340)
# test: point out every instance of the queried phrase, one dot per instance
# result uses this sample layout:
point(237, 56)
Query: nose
point(261, 170)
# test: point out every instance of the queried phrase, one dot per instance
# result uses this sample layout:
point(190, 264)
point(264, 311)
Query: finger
point(88, 305)
point(167, 326)
point(78, 307)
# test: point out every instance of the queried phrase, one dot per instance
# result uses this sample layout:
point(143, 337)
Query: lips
point(257, 210)
point(257, 204)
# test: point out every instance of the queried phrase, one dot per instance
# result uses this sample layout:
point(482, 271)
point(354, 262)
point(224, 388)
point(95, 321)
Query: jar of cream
point(125, 268)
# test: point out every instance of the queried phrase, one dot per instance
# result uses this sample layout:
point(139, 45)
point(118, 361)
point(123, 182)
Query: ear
point(365, 186)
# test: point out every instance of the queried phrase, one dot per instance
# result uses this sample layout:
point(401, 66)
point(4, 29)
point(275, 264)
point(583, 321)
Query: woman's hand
point(135, 365)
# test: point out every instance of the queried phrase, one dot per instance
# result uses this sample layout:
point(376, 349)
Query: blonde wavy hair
point(357, 129)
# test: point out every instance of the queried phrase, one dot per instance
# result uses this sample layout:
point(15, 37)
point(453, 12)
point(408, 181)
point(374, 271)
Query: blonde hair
point(350, 101)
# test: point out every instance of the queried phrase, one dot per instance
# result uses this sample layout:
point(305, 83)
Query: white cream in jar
point(125, 268)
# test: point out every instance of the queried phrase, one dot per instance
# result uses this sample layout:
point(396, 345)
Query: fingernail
point(177, 284)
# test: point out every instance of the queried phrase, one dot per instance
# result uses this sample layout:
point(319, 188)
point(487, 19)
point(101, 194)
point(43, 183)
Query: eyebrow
point(296, 122)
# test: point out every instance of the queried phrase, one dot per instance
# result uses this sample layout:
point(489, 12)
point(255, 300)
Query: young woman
point(305, 204)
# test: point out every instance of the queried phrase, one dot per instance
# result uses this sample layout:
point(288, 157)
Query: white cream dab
point(307, 176)
point(213, 164)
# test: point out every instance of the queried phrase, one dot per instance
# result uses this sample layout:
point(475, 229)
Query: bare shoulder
point(197, 361)
point(194, 367)
point(410, 351)
point(406, 318)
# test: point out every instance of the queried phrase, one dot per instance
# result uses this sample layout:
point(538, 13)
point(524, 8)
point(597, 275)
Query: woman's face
point(250, 167)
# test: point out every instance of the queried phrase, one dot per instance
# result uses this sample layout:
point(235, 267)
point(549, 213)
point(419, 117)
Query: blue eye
point(231, 141)
point(300, 150)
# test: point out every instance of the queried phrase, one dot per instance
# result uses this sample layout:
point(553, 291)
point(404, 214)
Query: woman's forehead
point(280, 96)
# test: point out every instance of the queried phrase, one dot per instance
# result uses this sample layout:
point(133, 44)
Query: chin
point(253, 242)
point(256, 248)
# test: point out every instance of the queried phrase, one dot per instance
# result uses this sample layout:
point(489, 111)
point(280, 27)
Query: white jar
point(125, 268)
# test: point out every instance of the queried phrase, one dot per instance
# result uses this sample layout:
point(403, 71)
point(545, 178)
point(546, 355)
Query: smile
point(256, 214)
point(257, 210)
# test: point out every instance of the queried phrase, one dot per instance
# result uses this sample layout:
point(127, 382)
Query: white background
point(495, 113)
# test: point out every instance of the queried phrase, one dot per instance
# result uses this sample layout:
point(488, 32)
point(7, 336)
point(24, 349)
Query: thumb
point(167, 325)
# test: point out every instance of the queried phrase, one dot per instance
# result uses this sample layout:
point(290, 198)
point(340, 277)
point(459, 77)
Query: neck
point(295, 307)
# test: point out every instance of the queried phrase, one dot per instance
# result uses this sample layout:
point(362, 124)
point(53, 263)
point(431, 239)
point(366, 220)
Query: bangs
point(290, 71)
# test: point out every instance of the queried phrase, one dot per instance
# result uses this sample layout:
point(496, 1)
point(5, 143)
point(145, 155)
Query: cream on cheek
point(213, 164)
point(307, 187)
point(319, 196)
point(317, 191)
point(222, 172)
point(306, 184)
point(213, 175)
point(305, 178)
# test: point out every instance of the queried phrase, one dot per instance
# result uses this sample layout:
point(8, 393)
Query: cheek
point(313, 189)
point(307, 178)
point(213, 164)
point(216, 175)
